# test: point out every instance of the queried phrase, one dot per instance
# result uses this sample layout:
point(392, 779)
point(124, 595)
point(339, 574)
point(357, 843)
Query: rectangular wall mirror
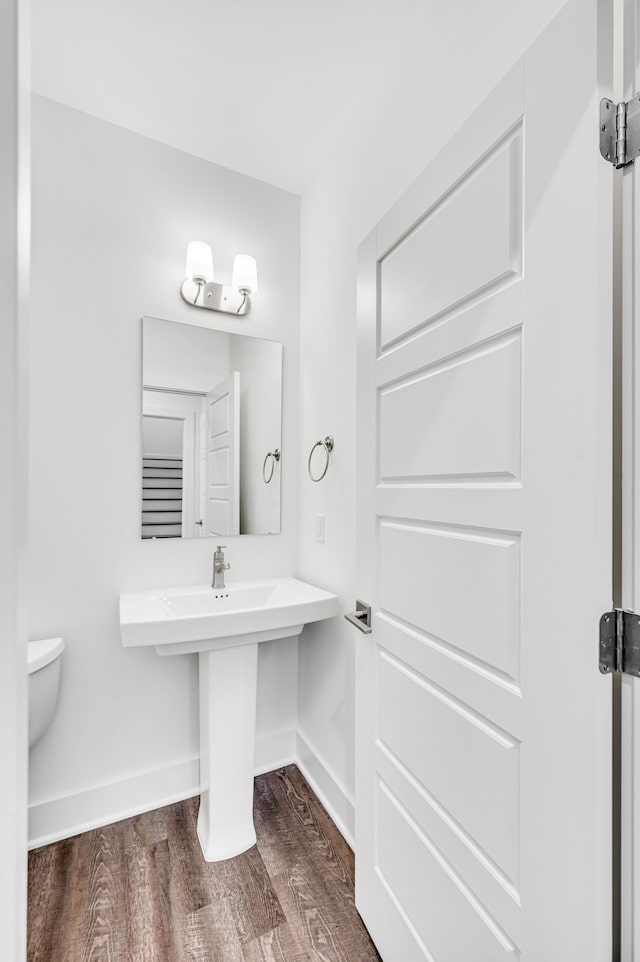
point(211, 432)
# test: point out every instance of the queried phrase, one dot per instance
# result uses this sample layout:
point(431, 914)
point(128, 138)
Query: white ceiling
point(261, 86)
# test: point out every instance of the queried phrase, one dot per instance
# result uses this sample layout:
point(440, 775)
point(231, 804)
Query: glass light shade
point(245, 274)
point(199, 261)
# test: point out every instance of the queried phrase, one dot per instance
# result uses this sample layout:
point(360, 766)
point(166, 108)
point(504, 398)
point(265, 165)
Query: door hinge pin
point(619, 640)
point(621, 135)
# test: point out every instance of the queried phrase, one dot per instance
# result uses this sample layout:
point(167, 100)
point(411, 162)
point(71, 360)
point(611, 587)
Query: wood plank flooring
point(140, 890)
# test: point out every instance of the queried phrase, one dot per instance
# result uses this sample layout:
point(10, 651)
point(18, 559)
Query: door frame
point(627, 531)
point(14, 282)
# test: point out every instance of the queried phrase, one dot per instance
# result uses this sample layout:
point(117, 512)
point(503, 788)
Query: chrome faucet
point(219, 567)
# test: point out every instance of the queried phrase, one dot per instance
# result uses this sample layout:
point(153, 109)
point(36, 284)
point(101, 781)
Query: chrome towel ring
point(275, 456)
point(327, 444)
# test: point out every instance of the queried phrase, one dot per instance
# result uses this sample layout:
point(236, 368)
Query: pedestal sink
point(225, 627)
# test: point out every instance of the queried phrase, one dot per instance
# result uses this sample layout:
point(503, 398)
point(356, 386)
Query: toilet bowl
point(43, 664)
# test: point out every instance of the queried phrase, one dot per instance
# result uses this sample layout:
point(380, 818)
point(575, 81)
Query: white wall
point(112, 214)
point(14, 280)
point(195, 359)
point(453, 55)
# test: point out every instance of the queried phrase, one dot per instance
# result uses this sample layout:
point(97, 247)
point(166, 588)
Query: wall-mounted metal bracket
point(620, 131)
point(620, 642)
point(215, 297)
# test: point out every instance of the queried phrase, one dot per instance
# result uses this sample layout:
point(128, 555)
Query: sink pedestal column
point(228, 686)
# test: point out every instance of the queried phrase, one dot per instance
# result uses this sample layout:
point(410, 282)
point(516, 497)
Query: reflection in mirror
point(211, 425)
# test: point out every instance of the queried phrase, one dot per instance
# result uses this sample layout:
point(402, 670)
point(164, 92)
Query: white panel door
point(222, 501)
point(483, 769)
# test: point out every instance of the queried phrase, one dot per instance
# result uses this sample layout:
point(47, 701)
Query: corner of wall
point(336, 799)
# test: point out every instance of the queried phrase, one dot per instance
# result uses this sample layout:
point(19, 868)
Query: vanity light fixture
point(200, 290)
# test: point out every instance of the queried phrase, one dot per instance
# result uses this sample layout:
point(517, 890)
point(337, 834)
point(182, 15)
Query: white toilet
point(43, 662)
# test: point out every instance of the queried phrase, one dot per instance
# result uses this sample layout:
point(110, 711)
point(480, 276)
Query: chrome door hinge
point(620, 642)
point(620, 131)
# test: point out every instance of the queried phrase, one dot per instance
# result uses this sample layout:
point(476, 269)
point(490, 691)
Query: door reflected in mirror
point(211, 432)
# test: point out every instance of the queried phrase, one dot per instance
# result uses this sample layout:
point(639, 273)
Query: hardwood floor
point(140, 890)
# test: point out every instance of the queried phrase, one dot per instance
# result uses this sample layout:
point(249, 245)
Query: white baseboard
point(57, 818)
point(336, 799)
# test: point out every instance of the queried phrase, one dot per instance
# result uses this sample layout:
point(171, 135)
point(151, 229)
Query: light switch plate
point(320, 528)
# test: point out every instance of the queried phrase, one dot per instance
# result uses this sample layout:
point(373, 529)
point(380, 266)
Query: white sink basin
point(197, 618)
point(224, 626)
point(213, 603)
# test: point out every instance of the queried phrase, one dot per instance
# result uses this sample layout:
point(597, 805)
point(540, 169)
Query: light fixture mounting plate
point(215, 297)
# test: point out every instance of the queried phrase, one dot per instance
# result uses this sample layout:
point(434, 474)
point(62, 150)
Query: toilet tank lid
point(43, 652)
